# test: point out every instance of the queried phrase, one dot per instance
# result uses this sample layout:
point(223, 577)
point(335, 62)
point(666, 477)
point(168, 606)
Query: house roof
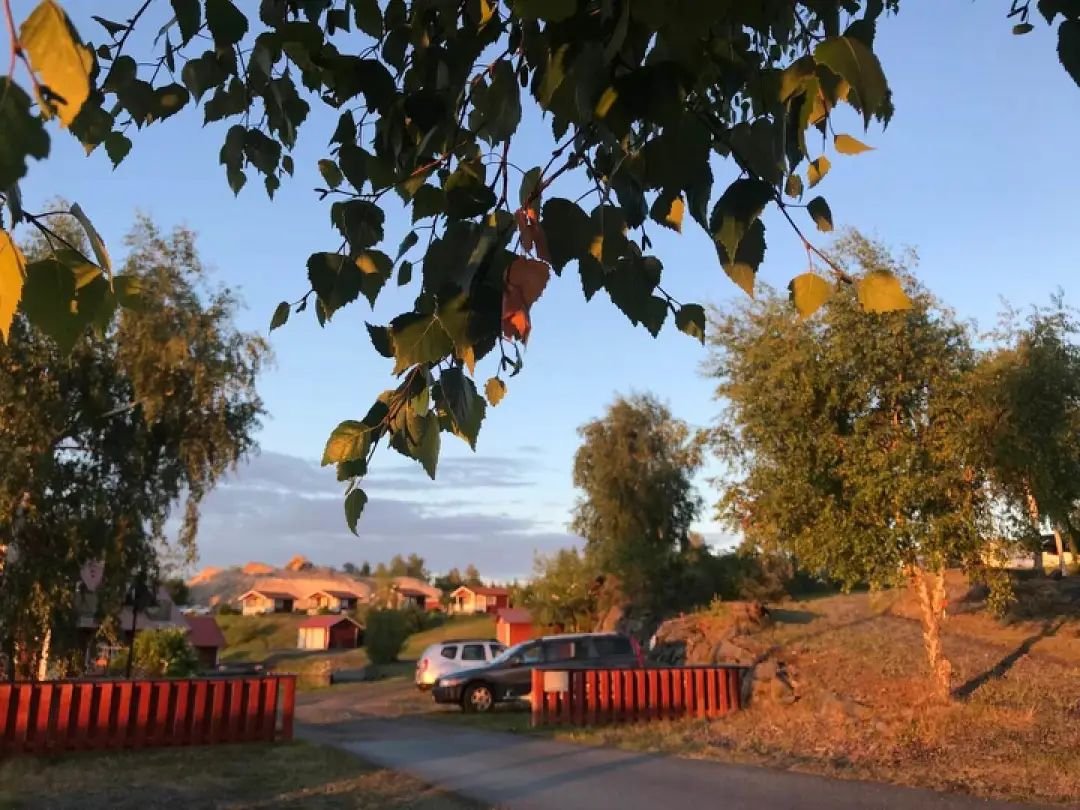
point(204, 632)
point(411, 592)
point(515, 616)
point(337, 594)
point(484, 590)
point(268, 594)
point(326, 621)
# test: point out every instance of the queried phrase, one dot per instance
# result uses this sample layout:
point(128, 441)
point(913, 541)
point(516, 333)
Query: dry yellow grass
point(863, 713)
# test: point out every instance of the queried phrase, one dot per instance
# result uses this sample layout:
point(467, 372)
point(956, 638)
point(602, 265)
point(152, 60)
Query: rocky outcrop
point(299, 563)
point(717, 636)
point(728, 634)
point(257, 569)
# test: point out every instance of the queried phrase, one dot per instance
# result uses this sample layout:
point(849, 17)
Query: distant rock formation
point(299, 563)
point(206, 575)
point(257, 569)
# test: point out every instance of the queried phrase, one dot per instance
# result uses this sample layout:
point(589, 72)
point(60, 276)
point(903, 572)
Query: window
point(532, 655)
point(472, 652)
point(496, 649)
point(612, 645)
point(559, 651)
point(449, 652)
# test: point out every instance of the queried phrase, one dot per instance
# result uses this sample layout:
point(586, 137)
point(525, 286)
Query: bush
point(385, 635)
point(164, 653)
point(225, 609)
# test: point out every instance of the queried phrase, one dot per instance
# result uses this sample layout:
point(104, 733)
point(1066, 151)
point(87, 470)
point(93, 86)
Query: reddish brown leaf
point(532, 234)
point(525, 282)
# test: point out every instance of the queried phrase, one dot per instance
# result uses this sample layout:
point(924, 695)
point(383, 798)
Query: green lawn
point(253, 638)
point(455, 627)
point(228, 777)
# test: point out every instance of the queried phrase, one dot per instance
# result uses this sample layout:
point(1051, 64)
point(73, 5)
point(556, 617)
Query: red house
point(479, 599)
point(207, 639)
point(328, 633)
point(513, 626)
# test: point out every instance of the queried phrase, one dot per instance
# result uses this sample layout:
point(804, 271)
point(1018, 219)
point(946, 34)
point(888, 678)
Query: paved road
point(528, 773)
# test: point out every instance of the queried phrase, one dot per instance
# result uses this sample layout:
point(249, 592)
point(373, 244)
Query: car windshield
point(509, 652)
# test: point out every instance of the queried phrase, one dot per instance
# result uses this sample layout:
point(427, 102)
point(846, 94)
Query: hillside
point(863, 711)
point(214, 585)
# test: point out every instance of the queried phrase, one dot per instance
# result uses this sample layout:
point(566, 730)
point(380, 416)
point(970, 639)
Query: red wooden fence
point(591, 696)
point(49, 717)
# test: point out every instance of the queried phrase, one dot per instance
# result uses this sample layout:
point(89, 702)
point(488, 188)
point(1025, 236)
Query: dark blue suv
point(509, 677)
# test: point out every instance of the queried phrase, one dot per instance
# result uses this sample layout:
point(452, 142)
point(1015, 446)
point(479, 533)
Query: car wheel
point(478, 698)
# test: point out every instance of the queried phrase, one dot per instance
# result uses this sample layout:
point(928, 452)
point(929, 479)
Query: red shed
point(328, 633)
point(207, 639)
point(513, 626)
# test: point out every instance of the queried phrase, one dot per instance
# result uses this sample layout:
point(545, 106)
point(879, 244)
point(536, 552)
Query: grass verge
point(235, 777)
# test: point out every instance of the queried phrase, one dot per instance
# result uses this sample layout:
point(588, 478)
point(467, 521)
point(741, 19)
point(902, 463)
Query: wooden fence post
point(536, 698)
point(288, 706)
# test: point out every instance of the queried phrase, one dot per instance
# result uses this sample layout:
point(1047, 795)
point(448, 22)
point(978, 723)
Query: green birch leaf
point(821, 213)
point(281, 315)
point(355, 502)
point(690, 319)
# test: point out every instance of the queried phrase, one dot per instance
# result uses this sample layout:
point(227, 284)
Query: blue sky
point(975, 172)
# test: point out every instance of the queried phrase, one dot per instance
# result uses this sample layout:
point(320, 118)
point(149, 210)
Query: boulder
point(769, 683)
point(723, 636)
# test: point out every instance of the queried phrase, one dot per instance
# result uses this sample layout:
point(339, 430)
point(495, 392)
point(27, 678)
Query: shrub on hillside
point(385, 635)
point(163, 653)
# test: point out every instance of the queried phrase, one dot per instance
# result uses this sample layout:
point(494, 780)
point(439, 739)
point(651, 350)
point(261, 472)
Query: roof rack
point(464, 640)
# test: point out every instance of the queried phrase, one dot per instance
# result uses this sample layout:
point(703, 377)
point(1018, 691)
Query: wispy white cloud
point(278, 505)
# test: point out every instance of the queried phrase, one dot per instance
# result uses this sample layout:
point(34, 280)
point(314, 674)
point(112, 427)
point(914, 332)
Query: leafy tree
point(472, 575)
point(844, 438)
point(365, 569)
point(385, 635)
point(411, 566)
point(143, 416)
point(560, 593)
point(635, 469)
point(449, 581)
point(1027, 421)
point(178, 590)
point(398, 567)
point(650, 102)
point(164, 653)
point(350, 568)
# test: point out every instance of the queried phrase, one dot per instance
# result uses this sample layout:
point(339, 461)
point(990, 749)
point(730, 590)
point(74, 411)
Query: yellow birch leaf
point(880, 291)
point(12, 270)
point(809, 292)
point(62, 63)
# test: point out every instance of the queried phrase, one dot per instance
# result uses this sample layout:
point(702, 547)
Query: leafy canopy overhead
point(658, 109)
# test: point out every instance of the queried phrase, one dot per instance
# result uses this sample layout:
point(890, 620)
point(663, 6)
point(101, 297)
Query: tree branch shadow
point(1002, 667)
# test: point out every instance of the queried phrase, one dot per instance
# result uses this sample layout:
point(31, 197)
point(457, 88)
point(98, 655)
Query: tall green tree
point(1027, 421)
point(843, 436)
point(472, 575)
point(560, 593)
point(134, 425)
point(635, 470)
point(662, 113)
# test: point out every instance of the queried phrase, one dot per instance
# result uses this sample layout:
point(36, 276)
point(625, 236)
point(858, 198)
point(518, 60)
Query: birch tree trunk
point(1064, 569)
point(930, 586)
point(1036, 519)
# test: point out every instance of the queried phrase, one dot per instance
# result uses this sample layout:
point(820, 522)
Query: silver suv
point(454, 655)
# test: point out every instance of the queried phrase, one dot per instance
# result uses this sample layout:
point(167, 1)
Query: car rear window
point(612, 645)
point(472, 652)
point(449, 651)
point(496, 649)
point(559, 650)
